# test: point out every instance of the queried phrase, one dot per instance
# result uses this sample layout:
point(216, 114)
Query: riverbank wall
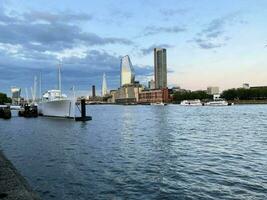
point(12, 185)
point(244, 102)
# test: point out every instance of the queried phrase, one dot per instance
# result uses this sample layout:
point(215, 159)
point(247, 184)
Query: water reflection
point(143, 152)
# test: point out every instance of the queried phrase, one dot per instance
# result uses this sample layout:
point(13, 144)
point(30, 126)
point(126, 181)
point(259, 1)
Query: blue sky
point(220, 43)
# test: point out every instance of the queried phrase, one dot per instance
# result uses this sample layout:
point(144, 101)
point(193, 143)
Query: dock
point(12, 185)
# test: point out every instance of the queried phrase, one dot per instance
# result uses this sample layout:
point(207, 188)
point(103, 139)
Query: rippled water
point(144, 152)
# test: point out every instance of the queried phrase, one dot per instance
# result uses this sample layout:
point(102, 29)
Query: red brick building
point(154, 96)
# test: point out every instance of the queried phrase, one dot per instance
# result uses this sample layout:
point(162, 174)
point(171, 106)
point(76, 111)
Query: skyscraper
point(160, 68)
point(104, 86)
point(127, 71)
point(93, 91)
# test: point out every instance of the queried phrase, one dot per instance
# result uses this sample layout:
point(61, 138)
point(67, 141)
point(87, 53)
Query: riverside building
point(104, 86)
point(15, 95)
point(160, 68)
point(151, 84)
point(129, 90)
point(154, 96)
point(213, 90)
point(127, 71)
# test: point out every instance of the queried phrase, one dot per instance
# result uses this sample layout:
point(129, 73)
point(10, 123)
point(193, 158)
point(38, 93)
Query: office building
point(93, 91)
point(246, 86)
point(104, 86)
point(128, 94)
point(127, 71)
point(213, 90)
point(151, 84)
point(15, 95)
point(154, 96)
point(160, 68)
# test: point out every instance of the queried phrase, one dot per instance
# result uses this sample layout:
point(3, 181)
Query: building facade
point(127, 71)
point(246, 86)
point(154, 96)
point(104, 86)
point(160, 68)
point(151, 84)
point(213, 90)
point(16, 95)
point(128, 94)
point(93, 91)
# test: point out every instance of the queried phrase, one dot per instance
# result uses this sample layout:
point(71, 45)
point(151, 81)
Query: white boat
point(217, 103)
point(195, 102)
point(158, 104)
point(56, 104)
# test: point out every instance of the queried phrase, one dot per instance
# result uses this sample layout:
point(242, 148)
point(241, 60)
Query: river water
point(143, 152)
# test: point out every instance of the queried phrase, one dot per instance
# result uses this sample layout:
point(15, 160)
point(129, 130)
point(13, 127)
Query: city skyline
point(204, 39)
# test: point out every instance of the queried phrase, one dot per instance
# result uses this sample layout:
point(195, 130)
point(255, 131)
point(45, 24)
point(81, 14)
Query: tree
point(4, 99)
point(188, 95)
point(245, 94)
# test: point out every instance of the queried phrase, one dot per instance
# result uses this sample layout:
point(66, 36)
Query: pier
point(12, 185)
point(5, 112)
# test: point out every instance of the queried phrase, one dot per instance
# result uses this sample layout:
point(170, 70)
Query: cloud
point(79, 71)
point(121, 14)
point(65, 17)
point(207, 44)
point(53, 35)
point(153, 30)
point(213, 35)
point(34, 41)
point(173, 12)
point(148, 50)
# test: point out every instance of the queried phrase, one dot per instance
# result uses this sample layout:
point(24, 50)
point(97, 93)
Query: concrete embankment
point(12, 185)
point(244, 102)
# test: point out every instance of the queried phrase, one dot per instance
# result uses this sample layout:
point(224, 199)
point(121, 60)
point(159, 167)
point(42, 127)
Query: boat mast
point(40, 86)
point(33, 89)
point(59, 76)
point(27, 96)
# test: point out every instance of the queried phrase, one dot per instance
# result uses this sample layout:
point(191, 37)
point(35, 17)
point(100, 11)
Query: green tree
point(4, 99)
point(190, 95)
point(245, 94)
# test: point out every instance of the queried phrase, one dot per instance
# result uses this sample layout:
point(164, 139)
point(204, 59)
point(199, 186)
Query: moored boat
point(158, 104)
point(195, 102)
point(56, 104)
point(219, 102)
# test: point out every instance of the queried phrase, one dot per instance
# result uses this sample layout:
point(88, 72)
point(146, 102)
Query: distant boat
point(56, 104)
point(158, 104)
point(195, 102)
point(219, 102)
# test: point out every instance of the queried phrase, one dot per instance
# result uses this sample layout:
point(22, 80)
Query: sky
point(209, 43)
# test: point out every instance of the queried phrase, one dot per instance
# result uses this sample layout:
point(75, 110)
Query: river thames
point(143, 152)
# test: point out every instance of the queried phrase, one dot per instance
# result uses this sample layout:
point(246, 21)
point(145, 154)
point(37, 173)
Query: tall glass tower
point(104, 86)
point(127, 71)
point(160, 68)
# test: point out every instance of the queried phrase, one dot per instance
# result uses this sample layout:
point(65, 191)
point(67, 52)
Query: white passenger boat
point(158, 104)
point(217, 103)
point(56, 104)
point(195, 102)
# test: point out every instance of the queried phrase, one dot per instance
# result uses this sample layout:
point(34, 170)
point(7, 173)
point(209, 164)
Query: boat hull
point(57, 108)
point(217, 103)
point(191, 103)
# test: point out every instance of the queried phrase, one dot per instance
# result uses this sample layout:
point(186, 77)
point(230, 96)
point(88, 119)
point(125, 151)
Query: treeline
point(245, 94)
point(190, 95)
point(4, 99)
